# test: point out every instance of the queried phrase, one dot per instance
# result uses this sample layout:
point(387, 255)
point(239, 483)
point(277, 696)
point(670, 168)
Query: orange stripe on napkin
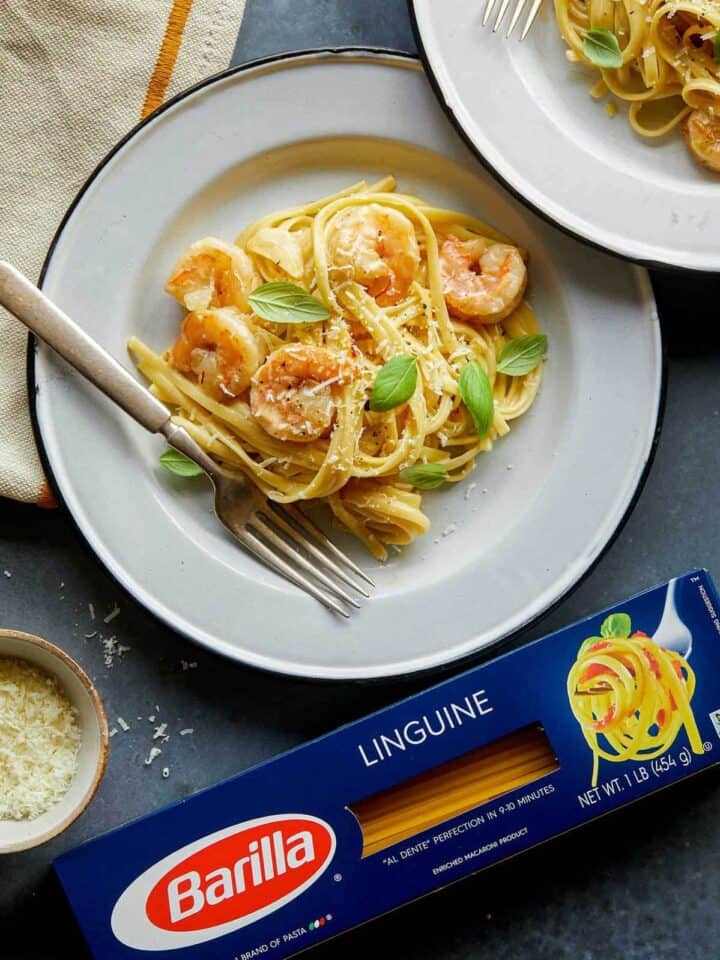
point(167, 56)
point(45, 499)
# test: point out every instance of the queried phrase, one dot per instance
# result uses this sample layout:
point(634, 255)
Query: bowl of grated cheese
point(53, 740)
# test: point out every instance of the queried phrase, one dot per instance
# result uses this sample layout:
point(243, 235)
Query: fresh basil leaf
point(716, 48)
point(523, 354)
point(477, 395)
point(394, 384)
point(601, 47)
point(425, 476)
point(616, 625)
point(282, 302)
point(590, 642)
point(179, 464)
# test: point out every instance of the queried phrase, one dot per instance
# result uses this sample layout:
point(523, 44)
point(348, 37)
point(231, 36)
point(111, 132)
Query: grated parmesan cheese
point(39, 741)
point(113, 613)
point(111, 649)
point(160, 733)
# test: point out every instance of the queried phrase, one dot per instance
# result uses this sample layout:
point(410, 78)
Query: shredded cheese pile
point(39, 741)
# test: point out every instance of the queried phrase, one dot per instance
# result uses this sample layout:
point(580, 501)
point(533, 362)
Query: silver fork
point(517, 13)
point(282, 537)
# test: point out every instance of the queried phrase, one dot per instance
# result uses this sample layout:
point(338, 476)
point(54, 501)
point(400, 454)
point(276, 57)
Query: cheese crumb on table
point(113, 613)
point(112, 649)
point(160, 732)
point(39, 741)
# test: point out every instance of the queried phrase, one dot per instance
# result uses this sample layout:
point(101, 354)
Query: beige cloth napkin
point(75, 76)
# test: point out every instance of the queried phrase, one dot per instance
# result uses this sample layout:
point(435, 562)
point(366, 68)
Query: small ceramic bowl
point(22, 834)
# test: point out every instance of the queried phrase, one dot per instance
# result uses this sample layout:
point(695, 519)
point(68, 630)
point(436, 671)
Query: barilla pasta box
point(472, 771)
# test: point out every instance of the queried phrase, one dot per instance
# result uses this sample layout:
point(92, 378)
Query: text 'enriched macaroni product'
point(409, 799)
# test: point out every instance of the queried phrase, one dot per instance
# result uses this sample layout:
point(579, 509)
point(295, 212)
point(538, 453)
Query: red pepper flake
point(654, 665)
point(606, 720)
point(596, 670)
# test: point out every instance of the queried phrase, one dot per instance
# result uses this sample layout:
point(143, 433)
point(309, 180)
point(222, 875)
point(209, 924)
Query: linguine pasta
point(355, 466)
point(668, 73)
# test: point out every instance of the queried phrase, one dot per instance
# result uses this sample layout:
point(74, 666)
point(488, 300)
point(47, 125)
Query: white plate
point(527, 112)
point(247, 143)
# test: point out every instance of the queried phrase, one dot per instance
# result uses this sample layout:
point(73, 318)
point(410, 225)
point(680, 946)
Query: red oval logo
point(241, 874)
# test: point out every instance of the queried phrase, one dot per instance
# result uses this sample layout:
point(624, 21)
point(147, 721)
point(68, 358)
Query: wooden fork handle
point(40, 315)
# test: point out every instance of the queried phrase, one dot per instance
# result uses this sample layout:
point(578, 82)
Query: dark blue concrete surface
point(639, 886)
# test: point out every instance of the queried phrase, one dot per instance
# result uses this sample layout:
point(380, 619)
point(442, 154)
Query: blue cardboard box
point(294, 850)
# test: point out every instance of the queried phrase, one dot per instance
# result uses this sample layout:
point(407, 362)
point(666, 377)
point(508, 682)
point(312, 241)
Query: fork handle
point(39, 314)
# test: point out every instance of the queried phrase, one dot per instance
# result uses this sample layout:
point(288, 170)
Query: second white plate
point(505, 544)
point(527, 113)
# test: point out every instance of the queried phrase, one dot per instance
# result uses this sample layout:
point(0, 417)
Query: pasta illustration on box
point(631, 694)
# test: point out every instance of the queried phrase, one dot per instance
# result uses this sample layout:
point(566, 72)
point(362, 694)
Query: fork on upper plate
point(520, 5)
point(283, 537)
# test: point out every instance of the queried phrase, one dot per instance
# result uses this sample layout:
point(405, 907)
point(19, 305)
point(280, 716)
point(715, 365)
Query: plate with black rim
point(520, 532)
point(527, 113)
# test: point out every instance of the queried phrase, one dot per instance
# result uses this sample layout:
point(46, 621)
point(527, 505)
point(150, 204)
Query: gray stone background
point(641, 885)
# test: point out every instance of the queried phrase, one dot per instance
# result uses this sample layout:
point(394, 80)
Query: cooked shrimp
point(220, 349)
point(293, 393)
point(481, 281)
point(379, 244)
point(702, 133)
point(213, 273)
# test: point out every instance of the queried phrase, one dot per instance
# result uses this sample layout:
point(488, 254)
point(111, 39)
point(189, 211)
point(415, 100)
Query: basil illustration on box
point(470, 772)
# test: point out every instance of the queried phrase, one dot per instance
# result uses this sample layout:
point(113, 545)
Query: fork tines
point(517, 13)
point(289, 542)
